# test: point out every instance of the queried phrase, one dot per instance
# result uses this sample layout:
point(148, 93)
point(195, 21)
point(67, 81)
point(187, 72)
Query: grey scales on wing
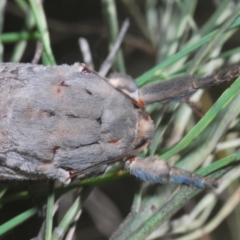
point(63, 121)
point(55, 118)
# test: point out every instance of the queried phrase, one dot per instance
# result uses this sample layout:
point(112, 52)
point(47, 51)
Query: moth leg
point(154, 170)
point(182, 87)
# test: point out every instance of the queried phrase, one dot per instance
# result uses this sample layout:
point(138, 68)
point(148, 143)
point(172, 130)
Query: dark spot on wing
point(113, 141)
point(72, 116)
point(54, 149)
point(99, 120)
point(88, 92)
point(47, 113)
point(62, 84)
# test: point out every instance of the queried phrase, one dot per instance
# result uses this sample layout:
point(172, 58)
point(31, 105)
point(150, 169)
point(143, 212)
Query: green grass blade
point(216, 17)
point(219, 164)
point(29, 23)
point(69, 217)
point(4, 228)
point(49, 215)
point(110, 13)
point(216, 41)
point(62, 228)
point(40, 19)
point(19, 36)
point(2, 9)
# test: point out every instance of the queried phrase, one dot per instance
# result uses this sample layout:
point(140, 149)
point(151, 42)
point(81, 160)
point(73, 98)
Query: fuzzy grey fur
point(55, 119)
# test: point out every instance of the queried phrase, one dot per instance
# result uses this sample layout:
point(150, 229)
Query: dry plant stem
point(38, 53)
point(86, 52)
point(2, 9)
point(182, 119)
point(40, 19)
point(152, 20)
point(98, 205)
point(3, 190)
point(43, 227)
point(29, 23)
point(106, 65)
point(70, 216)
point(137, 15)
point(228, 144)
point(91, 28)
point(50, 211)
point(110, 14)
point(71, 232)
point(230, 205)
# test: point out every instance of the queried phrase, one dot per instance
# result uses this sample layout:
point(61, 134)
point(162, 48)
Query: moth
point(58, 122)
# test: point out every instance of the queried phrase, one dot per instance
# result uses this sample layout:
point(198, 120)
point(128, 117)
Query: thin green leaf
point(40, 19)
point(9, 225)
point(49, 216)
point(69, 217)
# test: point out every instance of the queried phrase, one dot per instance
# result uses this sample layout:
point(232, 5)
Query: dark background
point(67, 21)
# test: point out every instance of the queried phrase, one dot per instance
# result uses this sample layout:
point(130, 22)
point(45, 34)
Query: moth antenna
point(158, 171)
point(182, 87)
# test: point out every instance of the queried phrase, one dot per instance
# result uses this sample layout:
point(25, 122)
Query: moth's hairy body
point(65, 121)
point(55, 120)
